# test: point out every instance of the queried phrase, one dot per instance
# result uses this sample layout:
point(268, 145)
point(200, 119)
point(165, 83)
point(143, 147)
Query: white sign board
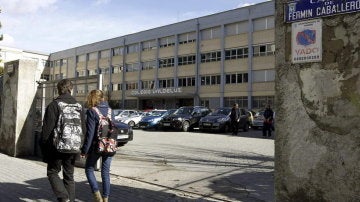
point(306, 41)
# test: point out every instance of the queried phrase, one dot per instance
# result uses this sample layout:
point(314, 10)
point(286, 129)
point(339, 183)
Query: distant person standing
point(62, 130)
point(97, 107)
point(235, 119)
point(268, 120)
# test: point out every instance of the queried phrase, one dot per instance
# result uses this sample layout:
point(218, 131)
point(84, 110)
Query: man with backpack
point(62, 132)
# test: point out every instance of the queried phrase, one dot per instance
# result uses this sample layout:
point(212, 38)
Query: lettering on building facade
point(156, 91)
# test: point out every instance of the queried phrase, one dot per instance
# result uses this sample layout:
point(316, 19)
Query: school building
point(215, 61)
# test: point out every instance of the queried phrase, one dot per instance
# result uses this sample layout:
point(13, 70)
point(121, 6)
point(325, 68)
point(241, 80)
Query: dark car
point(125, 133)
point(219, 120)
point(152, 121)
point(185, 118)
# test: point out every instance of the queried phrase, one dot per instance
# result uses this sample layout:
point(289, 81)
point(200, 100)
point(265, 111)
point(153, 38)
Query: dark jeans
point(267, 129)
point(234, 127)
point(105, 172)
point(64, 189)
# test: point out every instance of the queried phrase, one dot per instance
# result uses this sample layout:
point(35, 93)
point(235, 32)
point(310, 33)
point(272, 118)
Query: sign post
point(306, 41)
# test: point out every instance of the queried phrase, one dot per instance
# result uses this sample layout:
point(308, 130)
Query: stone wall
point(317, 146)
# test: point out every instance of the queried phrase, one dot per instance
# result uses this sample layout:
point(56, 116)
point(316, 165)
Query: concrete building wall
point(317, 153)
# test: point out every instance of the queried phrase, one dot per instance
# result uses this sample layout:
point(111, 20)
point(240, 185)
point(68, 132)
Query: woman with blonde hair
point(96, 103)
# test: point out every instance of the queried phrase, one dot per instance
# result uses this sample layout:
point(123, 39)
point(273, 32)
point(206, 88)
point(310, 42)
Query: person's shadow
point(40, 190)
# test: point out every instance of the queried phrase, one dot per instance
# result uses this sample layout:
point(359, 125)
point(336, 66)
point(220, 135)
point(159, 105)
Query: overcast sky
point(53, 25)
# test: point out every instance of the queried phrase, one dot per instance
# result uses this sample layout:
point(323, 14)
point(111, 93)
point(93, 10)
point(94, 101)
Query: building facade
point(215, 60)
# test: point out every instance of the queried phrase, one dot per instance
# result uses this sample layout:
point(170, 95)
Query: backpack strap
point(100, 114)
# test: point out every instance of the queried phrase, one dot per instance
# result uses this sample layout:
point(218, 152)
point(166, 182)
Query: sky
point(48, 26)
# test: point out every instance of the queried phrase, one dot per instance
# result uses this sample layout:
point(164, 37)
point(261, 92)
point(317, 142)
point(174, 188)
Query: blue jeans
point(105, 172)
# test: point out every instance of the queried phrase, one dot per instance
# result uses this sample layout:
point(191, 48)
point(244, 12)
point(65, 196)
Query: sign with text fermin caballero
point(306, 9)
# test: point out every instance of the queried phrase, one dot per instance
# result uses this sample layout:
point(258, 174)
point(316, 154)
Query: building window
point(260, 102)
point(186, 60)
point(264, 23)
point(92, 72)
point(210, 80)
point(236, 78)
point(117, 69)
point(166, 83)
point(134, 48)
point(186, 81)
point(236, 28)
point(149, 65)
point(147, 84)
point(264, 75)
point(104, 70)
point(80, 58)
point(57, 63)
point(131, 86)
point(167, 41)
point(166, 62)
point(212, 33)
point(132, 67)
point(82, 73)
point(80, 89)
point(264, 49)
point(236, 53)
point(117, 51)
point(149, 45)
point(116, 86)
point(187, 38)
point(242, 101)
point(63, 62)
point(211, 56)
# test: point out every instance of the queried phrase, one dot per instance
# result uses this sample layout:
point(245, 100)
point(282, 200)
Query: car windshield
point(157, 113)
point(259, 113)
point(117, 111)
point(184, 111)
point(221, 111)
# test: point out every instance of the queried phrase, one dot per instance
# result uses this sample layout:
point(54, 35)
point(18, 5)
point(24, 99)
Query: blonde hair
point(94, 98)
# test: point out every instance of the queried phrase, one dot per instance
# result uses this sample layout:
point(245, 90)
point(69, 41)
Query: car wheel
point(131, 124)
point(185, 126)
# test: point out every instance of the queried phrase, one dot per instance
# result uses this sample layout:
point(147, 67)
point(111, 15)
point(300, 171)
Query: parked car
point(258, 120)
point(219, 120)
point(126, 133)
point(153, 120)
point(185, 118)
point(121, 113)
point(251, 115)
point(133, 119)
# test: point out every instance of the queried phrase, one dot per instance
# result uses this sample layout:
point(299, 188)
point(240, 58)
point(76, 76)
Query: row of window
point(235, 78)
point(258, 102)
point(234, 53)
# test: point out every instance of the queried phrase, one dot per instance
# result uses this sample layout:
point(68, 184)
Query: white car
point(122, 114)
point(133, 120)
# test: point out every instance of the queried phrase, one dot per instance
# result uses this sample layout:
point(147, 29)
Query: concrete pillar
point(317, 144)
point(17, 118)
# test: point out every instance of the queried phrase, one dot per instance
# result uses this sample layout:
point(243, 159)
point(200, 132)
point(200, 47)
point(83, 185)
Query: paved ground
point(25, 180)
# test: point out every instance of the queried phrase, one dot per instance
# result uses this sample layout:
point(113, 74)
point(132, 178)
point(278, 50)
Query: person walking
point(235, 118)
point(268, 119)
point(96, 100)
point(55, 155)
